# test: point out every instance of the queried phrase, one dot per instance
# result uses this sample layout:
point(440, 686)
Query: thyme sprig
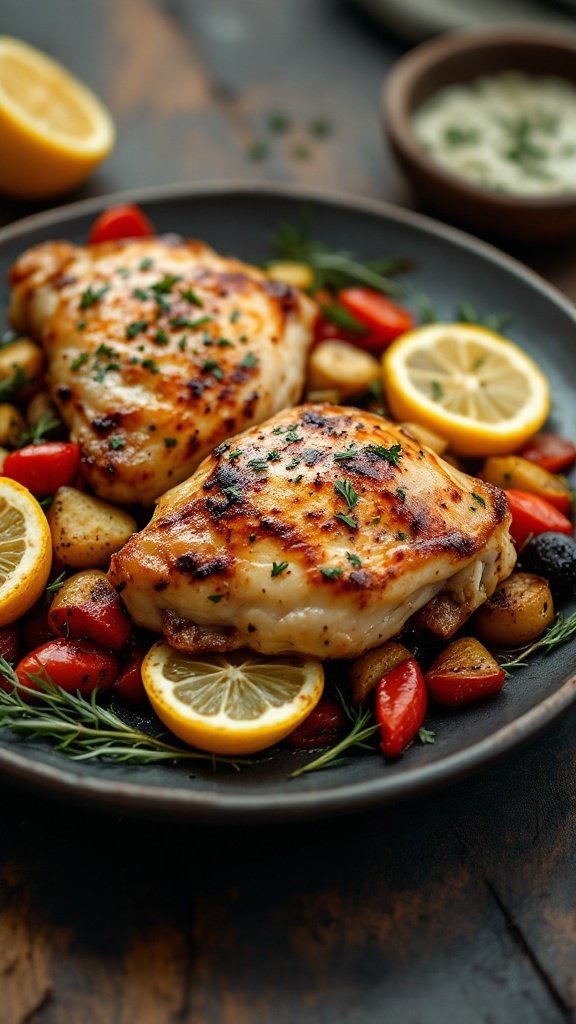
point(337, 268)
point(362, 727)
point(83, 729)
point(558, 633)
point(45, 425)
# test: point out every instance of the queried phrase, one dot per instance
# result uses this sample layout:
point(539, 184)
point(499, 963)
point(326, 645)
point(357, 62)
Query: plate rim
point(178, 803)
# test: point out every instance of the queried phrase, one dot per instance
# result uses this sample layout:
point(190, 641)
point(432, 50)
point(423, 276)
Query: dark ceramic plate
point(450, 267)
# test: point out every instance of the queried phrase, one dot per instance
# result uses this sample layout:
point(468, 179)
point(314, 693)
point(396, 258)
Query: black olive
point(552, 555)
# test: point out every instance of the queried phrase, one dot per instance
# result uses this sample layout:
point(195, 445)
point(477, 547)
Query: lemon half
point(25, 550)
point(53, 129)
point(470, 385)
point(233, 703)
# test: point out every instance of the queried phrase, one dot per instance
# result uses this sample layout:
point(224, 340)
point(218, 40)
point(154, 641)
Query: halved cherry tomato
point(532, 514)
point(71, 664)
point(43, 468)
point(384, 318)
point(550, 451)
point(35, 628)
point(9, 642)
point(129, 686)
point(400, 706)
point(463, 673)
point(520, 474)
point(88, 606)
point(321, 727)
point(120, 222)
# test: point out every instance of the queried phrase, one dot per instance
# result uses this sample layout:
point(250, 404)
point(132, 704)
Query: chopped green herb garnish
point(249, 360)
point(345, 489)
point(140, 293)
point(291, 436)
point(354, 560)
point(436, 390)
point(101, 371)
point(160, 338)
point(170, 442)
point(258, 150)
point(56, 584)
point(401, 494)
point(234, 316)
point(183, 321)
point(232, 491)
point(273, 455)
point(331, 574)
point(277, 123)
point(146, 264)
point(105, 350)
point(278, 567)
point(92, 295)
point(225, 343)
point(116, 442)
point(347, 520)
point(235, 454)
point(81, 325)
point(348, 453)
point(293, 463)
point(392, 454)
point(215, 598)
point(300, 151)
point(79, 361)
point(150, 364)
point(165, 284)
point(182, 342)
point(321, 127)
point(298, 478)
point(213, 366)
point(401, 535)
point(479, 499)
point(135, 328)
point(258, 465)
point(426, 736)
point(190, 295)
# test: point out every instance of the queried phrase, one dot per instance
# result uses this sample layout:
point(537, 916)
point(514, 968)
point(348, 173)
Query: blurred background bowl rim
point(409, 69)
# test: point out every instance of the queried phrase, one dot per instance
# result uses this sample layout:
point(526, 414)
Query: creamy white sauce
point(509, 132)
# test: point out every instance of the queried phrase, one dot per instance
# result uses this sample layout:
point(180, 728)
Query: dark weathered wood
point(456, 907)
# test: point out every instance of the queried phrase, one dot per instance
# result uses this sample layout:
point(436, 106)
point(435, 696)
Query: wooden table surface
point(458, 907)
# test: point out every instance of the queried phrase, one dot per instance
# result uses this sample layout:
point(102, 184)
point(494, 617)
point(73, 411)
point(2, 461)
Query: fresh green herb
point(215, 598)
point(277, 123)
point(293, 463)
point(165, 285)
point(335, 269)
point(401, 535)
point(355, 562)
point(56, 584)
point(135, 328)
point(426, 736)
point(190, 295)
point(182, 342)
point(46, 502)
point(183, 321)
point(321, 127)
point(300, 151)
point(467, 313)
point(298, 478)
point(279, 567)
point(151, 365)
point(116, 443)
point(436, 390)
point(258, 465)
point(81, 728)
point(101, 371)
point(81, 325)
point(347, 520)
point(249, 360)
point(160, 338)
point(346, 490)
point(45, 424)
point(362, 727)
point(348, 453)
point(225, 343)
point(273, 455)
point(92, 295)
point(213, 366)
point(401, 494)
point(146, 264)
point(235, 454)
point(339, 315)
point(330, 573)
point(391, 455)
point(140, 293)
point(105, 350)
point(232, 491)
point(79, 361)
point(123, 271)
point(234, 316)
point(291, 436)
point(170, 442)
point(258, 150)
point(558, 633)
point(10, 386)
point(457, 136)
point(479, 499)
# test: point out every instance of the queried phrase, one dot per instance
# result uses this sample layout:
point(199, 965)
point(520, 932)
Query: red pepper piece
point(400, 706)
point(120, 222)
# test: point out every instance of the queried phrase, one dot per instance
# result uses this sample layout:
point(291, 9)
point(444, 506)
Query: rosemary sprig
point(45, 425)
point(362, 727)
point(83, 729)
point(558, 633)
point(334, 268)
point(10, 386)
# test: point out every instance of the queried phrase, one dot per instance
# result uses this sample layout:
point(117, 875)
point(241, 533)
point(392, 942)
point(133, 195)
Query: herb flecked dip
point(509, 132)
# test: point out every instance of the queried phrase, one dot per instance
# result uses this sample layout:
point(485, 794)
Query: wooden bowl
point(460, 57)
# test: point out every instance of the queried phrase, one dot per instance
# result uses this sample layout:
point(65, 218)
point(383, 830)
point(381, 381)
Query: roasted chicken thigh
point(321, 531)
point(157, 350)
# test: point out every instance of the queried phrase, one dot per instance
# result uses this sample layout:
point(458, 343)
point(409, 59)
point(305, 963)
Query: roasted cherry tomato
point(43, 468)
point(384, 319)
point(533, 515)
point(120, 222)
point(35, 628)
point(550, 451)
point(9, 642)
point(71, 664)
point(400, 706)
point(88, 606)
point(320, 729)
point(129, 686)
point(463, 673)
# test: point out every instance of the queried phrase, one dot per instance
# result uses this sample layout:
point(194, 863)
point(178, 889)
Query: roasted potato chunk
point(85, 530)
point(519, 612)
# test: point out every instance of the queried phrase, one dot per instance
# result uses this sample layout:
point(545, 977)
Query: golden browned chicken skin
point(321, 531)
point(157, 350)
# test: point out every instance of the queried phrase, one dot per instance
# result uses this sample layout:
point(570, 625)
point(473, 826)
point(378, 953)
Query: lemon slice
point(53, 130)
point(472, 386)
point(234, 703)
point(25, 550)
